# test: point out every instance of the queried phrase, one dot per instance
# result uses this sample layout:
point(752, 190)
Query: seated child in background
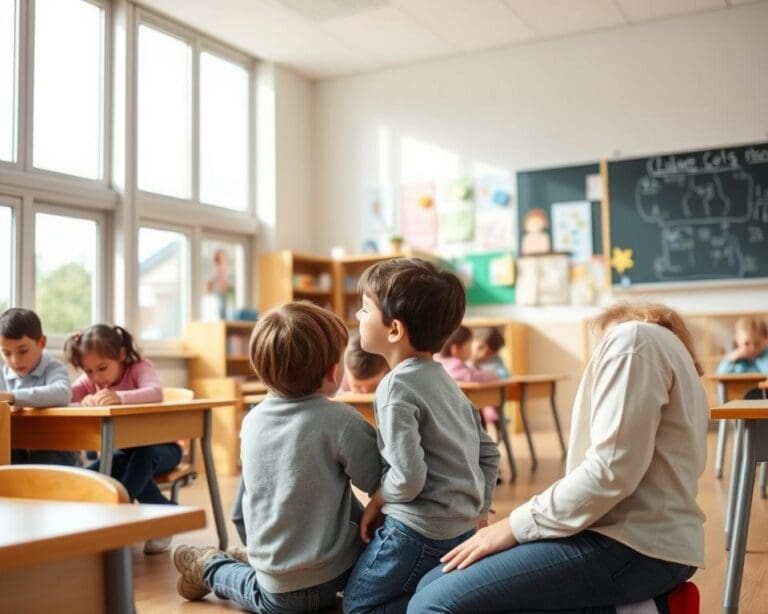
point(440, 466)
point(750, 354)
point(31, 377)
point(455, 356)
point(362, 370)
point(299, 453)
point(114, 373)
point(486, 344)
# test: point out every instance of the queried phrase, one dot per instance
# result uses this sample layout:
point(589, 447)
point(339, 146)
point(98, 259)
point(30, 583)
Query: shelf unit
point(346, 274)
point(218, 369)
point(286, 276)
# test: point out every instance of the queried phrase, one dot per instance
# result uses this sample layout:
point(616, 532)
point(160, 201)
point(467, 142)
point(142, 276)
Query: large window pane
point(6, 257)
point(69, 85)
point(223, 278)
point(65, 278)
point(162, 283)
point(164, 124)
point(223, 133)
point(8, 63)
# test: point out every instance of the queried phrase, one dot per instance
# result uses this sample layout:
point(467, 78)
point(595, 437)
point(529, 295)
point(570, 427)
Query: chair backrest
point(5, 433)
point(178, 394)
point(58, 483)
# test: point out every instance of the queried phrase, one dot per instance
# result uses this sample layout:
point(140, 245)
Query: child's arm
point(404, 477)
point(462, 372)
point(359, 454)
point(489, 464)
point(148, 388)
point(55, 392)
point(728, 365)
point(82, 388)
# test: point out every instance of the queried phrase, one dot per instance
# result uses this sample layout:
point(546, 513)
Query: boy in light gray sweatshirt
point(440, 466)
point(299, 453)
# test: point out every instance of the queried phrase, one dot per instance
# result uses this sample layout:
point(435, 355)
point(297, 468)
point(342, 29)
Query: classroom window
point(68, 87)
point(163, 288)
point(8, 79)
point(223, 267)
point(223, 133)
point(65, 279)
point(164, 150)
point(6, 257)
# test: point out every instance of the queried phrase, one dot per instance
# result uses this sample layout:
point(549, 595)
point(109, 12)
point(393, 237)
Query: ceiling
point(329, 38)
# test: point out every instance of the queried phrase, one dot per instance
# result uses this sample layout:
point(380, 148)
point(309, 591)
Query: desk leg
point(763, 480)
point(107, 446)
point(213, 485)
point(504, 432)
point(119, 577)
point(722, 435)
point(557, 420)
point(738, 438)
point(523, 395)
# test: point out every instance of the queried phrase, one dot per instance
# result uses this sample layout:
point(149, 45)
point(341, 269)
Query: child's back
point(436, 463)
point(750, 354)
point(301, 514)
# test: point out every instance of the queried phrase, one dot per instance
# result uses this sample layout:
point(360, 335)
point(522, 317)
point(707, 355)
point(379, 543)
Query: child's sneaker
point(158, 545)
point(190, 562)
point(239, 553)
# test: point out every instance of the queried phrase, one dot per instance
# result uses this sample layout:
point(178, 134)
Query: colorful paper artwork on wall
point(572, 229)
point(378, 217)
point(456, 211)
point(496, 218)
point(535, 233)
point(418, 216)
point(488, 277)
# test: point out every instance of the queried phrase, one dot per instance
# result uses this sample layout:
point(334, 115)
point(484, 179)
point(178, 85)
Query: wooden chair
point(5, 434)
point(59, 483)
point(185, 471)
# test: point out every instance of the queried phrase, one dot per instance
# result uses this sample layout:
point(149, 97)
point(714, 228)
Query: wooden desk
point(730, 387)
point(752, 416)
point(5, 434)
point(121, 426)
point(76, 557)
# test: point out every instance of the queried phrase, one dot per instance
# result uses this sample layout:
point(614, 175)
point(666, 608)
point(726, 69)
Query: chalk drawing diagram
point(695, 211)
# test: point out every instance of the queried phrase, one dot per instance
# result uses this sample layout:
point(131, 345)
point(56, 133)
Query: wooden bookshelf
point(286, 276)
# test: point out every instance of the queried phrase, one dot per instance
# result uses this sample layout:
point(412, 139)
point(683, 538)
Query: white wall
point(696, 81)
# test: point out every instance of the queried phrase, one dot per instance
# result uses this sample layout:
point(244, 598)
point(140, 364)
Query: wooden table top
point(122, 410)
point(741, 410)
point(737, 377)
point(36, 531)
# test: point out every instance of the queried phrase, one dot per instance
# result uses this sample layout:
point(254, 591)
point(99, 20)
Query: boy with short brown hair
point(299, 453)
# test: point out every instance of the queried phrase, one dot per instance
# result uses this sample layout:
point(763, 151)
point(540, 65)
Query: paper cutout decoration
point(535, 237)
point(621, 260)
point(572, 229)
point(419, 222)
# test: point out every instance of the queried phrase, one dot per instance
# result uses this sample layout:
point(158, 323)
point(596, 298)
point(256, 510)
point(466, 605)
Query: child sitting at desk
point(362, 370)
point(486, 344)
point(31, 377)
point(113, 374)
point(750, 354)
point(300, 451)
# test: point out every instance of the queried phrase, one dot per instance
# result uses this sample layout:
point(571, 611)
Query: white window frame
point(14, 203)
point(188, 282)
point(169, 208)
point(101, 287)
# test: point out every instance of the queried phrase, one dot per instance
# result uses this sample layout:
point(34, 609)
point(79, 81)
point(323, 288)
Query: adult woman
point(622, 525)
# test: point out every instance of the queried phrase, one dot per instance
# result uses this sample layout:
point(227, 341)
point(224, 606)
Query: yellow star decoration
point(622, 259)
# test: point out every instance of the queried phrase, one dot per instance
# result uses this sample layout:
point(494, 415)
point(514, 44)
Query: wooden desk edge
point(741, 410)
point(117, 410)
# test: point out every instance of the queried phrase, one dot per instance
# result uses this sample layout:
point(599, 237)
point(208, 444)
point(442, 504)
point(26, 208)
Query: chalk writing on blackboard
point(707, 206)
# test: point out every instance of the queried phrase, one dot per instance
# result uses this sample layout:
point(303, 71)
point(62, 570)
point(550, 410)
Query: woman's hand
point(106, 397)
point(372, 517)
point(493, 538)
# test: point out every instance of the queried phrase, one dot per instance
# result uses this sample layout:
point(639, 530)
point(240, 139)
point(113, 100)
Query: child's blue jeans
point(387, 572)
point(236, 581)
point(135, 467)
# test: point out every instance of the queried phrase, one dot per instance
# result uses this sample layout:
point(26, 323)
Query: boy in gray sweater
point(299, 453)
point(440, 466)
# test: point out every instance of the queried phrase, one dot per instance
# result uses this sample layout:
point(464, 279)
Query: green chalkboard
point(540, 189)
point(693, 216)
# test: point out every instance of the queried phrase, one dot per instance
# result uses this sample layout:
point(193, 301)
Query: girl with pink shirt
point(114, 373)
point(454, 356)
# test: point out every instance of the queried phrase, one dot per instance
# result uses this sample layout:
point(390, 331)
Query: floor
point(156, 578)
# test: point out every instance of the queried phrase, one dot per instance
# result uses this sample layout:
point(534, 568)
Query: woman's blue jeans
point(587, 572)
